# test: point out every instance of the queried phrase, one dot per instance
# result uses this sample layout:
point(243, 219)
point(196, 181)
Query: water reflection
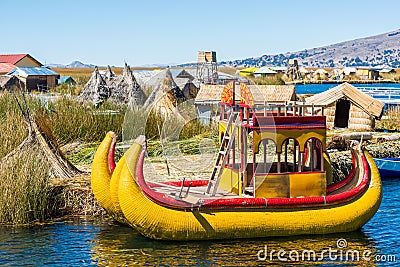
point(83, 243)
point(121, 246)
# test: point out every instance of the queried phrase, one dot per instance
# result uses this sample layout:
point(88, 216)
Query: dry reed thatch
point(366, 103)
point(189, 89)
point(125, 89)
point(39, 134)
point(109, 75)
point(96, 89)
point(363, 108)
point(75, 197)
point(272, 93)
point(209, 93)
point(8, 82)
point(166, 97)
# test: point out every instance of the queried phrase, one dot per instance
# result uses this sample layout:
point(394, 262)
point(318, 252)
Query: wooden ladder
point(226, 145)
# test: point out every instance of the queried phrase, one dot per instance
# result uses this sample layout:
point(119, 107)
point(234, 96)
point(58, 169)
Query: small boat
point(272, 177)
point(388, 167)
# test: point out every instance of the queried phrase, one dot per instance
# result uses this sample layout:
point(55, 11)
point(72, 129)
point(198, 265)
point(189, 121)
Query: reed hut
point(166, 96)
point(9, 82)
point(347, 107)
point(125, 89)
point(188, 87)
point(96, 89)
point(320, 74)
point(109, 75)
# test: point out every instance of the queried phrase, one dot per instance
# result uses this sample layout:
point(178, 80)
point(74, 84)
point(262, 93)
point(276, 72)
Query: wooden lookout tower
point(207, 71)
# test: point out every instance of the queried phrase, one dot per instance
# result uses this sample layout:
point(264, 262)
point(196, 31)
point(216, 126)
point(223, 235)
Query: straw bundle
point(166, 97)
point(125, 89)
point(96, 89)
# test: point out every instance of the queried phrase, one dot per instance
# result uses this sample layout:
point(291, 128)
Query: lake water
point(318, 88)
point(85, 243)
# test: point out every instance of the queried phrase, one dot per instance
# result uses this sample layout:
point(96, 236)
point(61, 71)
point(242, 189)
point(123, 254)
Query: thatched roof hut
point(167, 95)
point(96, 89)
point(347, 107)
point(185, 74)
point(9, 82)
point(320, 74)
point(125, 89)
point(188, 87)
point(109, 75)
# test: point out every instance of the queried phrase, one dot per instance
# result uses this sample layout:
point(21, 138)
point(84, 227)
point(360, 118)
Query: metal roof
point(32, 71)
point(65, 79)
point(265, 70)
point(279, 68)
point(15, 58)
point(12, 58)
point(6, 67)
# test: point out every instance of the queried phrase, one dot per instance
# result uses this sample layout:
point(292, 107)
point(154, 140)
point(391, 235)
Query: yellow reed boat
point(277, 184)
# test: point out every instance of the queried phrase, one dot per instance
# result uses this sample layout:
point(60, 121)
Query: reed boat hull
point(165, 223)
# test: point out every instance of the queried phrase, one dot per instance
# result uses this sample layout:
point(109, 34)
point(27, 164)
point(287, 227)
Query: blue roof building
point(36, 78)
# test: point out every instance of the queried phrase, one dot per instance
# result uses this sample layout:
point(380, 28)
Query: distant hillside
point(74, 64)
point(383, 49)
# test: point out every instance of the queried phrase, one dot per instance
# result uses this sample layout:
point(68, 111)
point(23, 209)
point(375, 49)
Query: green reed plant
point(390, 120)
point(72, 121)
point(24, 177)
point(24, 189)
point(269, 80)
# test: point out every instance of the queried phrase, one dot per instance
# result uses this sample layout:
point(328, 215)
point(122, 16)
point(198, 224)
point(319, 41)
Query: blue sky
point(146, 32)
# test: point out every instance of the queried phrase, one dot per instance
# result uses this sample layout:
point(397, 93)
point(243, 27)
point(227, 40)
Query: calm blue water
point(86, 243)
point(318, 88)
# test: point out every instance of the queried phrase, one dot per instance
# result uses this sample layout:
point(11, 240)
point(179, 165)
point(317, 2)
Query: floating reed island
point(48, 145)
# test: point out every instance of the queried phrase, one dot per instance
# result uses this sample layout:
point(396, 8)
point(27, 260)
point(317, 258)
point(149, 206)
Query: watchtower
point(293, 69)
point(207, 71)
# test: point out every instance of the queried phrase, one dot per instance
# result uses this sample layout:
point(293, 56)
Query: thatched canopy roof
point(371, 106)
point(125, 89)
point(166, 96)
point(96, 90)
point(271, 93)
point(211, 94)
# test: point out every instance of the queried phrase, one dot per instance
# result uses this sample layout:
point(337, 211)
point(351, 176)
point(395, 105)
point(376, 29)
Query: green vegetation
point(25, 189)
point(71, 121)
point(26, 194)
point(390, 120)
point(269, 80)
point(24, 177)
point(393, 75)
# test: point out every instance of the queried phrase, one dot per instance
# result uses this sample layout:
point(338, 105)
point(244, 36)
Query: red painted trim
point(335, 186)
point(192, 183)
point(211, 203)
point(111, 153)
point(263, 174)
